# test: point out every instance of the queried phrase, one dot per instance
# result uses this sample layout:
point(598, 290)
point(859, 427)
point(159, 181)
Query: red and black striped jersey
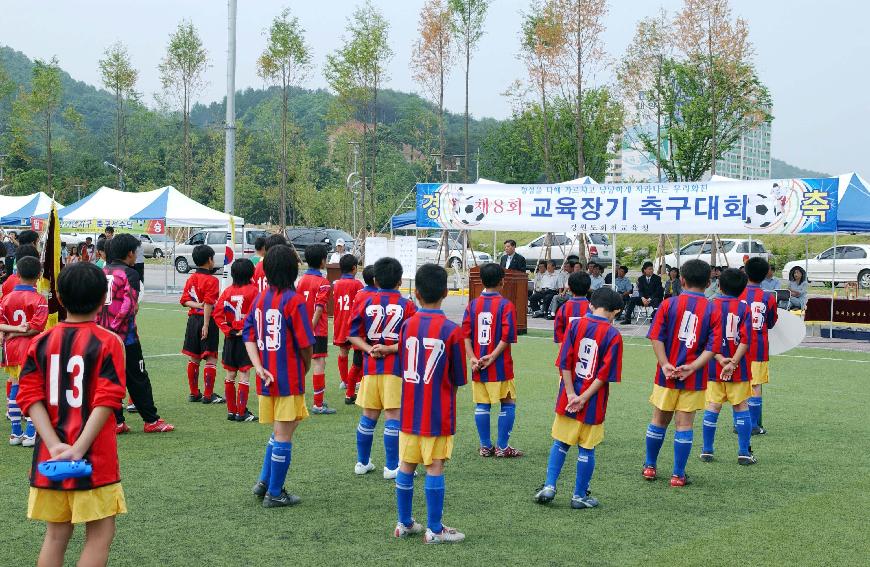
point(432, 358)
point(344, 292)
point(201, 287)
point(10, 283)
point(377, 320)
point(763, 307)
point(279, 325)
point(687, 325)
point(489, 320)
point(23, 306)
point(735, 318)
point(72, 369)
point(260, 277)
point(233, 307)
point(592, 350)
point(315, 289)
point(573, 309)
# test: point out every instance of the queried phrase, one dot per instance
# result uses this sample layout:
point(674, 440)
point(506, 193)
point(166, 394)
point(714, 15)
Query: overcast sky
point(811, 54)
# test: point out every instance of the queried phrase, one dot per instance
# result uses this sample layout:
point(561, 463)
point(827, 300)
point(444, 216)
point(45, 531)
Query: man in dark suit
point(650, 292)
point(511, 260)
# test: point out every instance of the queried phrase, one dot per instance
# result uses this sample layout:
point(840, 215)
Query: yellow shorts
point(380, 392)
point(13, 372)
point(732, 392)
point(76, 506)
point(671, 399)
point(575, 432)
point(282, 408)
point(493, 392)
point(416, 449)
point(760, 373)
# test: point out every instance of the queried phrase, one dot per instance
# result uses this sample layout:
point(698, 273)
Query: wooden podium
point(516, 289)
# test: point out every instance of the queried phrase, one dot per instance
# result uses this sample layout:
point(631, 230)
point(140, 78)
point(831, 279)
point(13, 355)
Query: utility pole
point(230, 127)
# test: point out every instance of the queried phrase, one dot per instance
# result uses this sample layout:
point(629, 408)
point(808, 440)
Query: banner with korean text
point(775, 206)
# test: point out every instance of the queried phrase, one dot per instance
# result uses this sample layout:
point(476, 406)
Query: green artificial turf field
point(189, 499)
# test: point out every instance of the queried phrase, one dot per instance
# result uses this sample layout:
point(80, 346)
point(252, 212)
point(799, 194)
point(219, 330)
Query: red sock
point(230, 395)
point(319, 382)
point(242, 403)
point(209, 373)
point(193, 377)
point(8, 387)
point(353, 378)
point(342, 368)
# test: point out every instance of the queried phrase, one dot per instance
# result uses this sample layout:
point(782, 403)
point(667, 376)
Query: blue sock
point(506, 424)
point(365, 433)
point(391, 443)
point(710, 419)
point(655, 437)
point(434, 502)
point(585, 466)
point(481, 418)
point(682, 449)
point(14, 411)
point(754, 410)
point(266, 471)
point(30, 430)
point(280, 464)
point(405, 496)
point(744, 431)
point(558, 452)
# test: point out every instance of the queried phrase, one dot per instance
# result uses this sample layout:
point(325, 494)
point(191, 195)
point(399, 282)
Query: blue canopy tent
point(405, 221)
point(17, 211)
point(853, 210)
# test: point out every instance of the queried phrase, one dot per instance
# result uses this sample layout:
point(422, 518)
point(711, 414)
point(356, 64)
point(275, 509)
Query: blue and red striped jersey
point(315, 289)
point(489, 320)
point(763, 307)
point(432, 358)
point(592, 350)
point(735, 319)
point(280, 327)
point(377, 320)
point(573, 309)
point(687, 325)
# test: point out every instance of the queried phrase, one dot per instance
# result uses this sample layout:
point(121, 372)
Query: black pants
point(539, 298)
point(634, 302)
point(141, 269)
point(139, 385)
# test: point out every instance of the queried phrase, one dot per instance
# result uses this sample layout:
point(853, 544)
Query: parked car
point(156, 245)
point(302, 237)
point(852, 264)
point(217, 239)
point(566, 246)
point(733, 252)
point(427, 253)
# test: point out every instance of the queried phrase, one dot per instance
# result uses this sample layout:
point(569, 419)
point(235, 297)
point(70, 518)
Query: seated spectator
point(564, 292)
point(536, 281)
point(549, 287)
point(649, 292)
point(623, 285)
point(771, 282)
point(713, 289)
point(672, 286)
point(595, 276)
point(797, 287)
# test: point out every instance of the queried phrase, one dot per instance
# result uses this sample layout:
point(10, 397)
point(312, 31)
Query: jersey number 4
point(392, 315)
point(433, 351)
point(484, 328)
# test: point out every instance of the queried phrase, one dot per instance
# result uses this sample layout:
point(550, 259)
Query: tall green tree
point(285, 61)
point(119, 76)
point(44, 101)
point(181, 74)
point(468, 19)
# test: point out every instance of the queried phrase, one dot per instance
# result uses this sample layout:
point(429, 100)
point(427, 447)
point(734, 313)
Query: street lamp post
point(120, 174)
point(352, 183)
point(448, 164)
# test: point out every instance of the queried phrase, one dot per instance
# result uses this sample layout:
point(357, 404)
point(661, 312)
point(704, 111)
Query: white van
point(217, 239)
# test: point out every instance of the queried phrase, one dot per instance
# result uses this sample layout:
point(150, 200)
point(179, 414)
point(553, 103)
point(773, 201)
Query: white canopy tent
point(18, 210)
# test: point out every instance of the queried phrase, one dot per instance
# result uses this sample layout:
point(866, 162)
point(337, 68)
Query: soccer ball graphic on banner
point(762, 211)
point(465, 209)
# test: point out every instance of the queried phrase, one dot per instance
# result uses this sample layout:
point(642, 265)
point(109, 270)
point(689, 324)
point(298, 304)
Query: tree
point(7, 86)
point(356, 72)
point(181, 74)
point(43, 101)
point(432, 57)
point(467, 26)
point(285, 61)
point(120, 77)
point(582, 25)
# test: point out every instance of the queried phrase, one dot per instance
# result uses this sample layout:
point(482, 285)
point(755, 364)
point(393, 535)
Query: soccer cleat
point(508, 453)
point(680, 480)
point(231, 416)
point(28, 440)
point(707, 457)
point(486, 451)
point(446, 535)
point(404, 531)
point(391, 474)
point(342, 385)
point(581, 502)
point(131, 408)
point(283, 499)
point(649, 472)
point(545, 494)
point(350, 400)
point(758, 430)
point(746, 460)
point(158, 426)
point(15, 439)
point(195, 397)
point(246, 417)
point(260, 489)
point(214, 399)
point(362, 469)
point(122, 428)
point(322, 410)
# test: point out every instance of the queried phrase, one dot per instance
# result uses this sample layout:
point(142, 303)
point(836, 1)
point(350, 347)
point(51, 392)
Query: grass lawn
point(189, 497)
